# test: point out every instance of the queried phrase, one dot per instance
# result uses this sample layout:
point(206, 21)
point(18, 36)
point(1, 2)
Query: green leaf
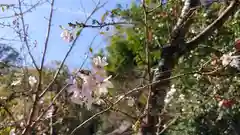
point(61, 27)
point(90, 49)
point(143, 99)
point(2, 8)
point(78, 32)
point(103, 18)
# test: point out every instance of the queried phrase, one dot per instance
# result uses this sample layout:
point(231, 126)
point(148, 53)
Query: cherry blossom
point(12, 132)
point(98, 65)
point(93, 85)
point(75, 91)
point(49, 113)
point(67, 36)
point(233, 61)
point(98, 61)
point(16, 82)
point(170, 94)
point(32, 80)
point(130, 101)
point(182, 97)
point(103, 87)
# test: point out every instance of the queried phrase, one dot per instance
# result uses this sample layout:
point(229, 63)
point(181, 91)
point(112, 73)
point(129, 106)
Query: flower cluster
point(67, 36)
point(87, 87)
point(170, 94)
point(31, 80)
point(229, 59)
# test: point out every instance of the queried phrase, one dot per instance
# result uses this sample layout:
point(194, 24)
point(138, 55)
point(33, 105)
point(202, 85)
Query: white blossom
point(93, 86)
point(98, 61)
point(130, 101)
point(12, 132)
point(164, 126)
point(67, 36)
point(16, 82)
point(183, 110)
point(197, 76)
point(233, 61)
point(99, 101)
point(49, 113)
point(169, 95)
point(120, 97)
point(103, 87)
point(76, 96)
point(182, 97)
point(220, 104)
point(32, 80)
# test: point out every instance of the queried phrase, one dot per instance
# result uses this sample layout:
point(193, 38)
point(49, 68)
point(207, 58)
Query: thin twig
point(32, 112)
point(101, 25)
point(48, 34)
point(24, 12)
point(25, 36)
point(84, 61)
point(168, 125)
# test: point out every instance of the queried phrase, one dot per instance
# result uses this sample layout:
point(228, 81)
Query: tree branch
point(23, 12)
point(25, 36)
point(35, 102)
point(213, 26)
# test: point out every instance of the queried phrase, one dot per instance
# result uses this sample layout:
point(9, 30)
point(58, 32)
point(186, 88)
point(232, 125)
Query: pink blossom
point(229, 59)
point(101, 62)
point(67, 36)
point(94, 85)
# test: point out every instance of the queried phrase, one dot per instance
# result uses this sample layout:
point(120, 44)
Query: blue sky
point(65, 11)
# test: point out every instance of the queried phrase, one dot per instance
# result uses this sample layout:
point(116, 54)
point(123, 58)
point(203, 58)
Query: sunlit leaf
point(90, 49)
point(102, 33)
point(104, 16)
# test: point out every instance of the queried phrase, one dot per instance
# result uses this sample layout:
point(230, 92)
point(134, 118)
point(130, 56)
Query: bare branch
point(23, 12)
point(101, 25)
point(25, 35)
point(168, 125)
point(32, 112)
point(48, 34)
